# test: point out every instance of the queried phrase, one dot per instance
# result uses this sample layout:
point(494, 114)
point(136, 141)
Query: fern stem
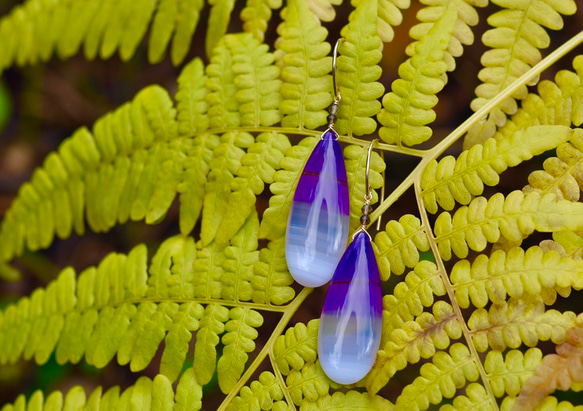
point(479, 115)
point(452, 298)
point(267, 348)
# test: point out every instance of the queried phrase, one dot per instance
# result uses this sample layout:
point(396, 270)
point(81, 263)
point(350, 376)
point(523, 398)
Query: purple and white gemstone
point(317, 228)
point(351, 321)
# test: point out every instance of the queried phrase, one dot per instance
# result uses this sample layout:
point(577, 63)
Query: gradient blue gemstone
point(317, 228)
point(351, 321)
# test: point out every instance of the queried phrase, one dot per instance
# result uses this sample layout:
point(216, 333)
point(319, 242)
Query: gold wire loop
point(368, 195)
point(337, 96)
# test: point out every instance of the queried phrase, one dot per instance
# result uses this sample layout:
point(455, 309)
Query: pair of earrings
point(317, 232)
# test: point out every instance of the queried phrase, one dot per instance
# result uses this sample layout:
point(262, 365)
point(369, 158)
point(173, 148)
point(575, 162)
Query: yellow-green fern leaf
point(412, 341)
point(440, 378)
point(477, 399)
point(184, 323)
point(271, 280)
point(223, 166)
point(514, 217)
point(516, 273)
point(256, 16)
point(467, 16)
point(554, 103)
point(355, 158)
point(408, 108)
point(192, 187)
point(191, 105)
point(258, 166)
point(389, 15)
point(398, 246)
point(459, 179)
point(145, 394)
point(508, 372)
point(212, 324)
point(274, 219)
point(563, 174)
point(239, 260)
point(351, 401)
point(208, 267)
point(240, 333)
point(218, 21)
point(185, 25)
point(517, 322)
point(297, 347)
point(265, 393)
point(303, 57)
point(256, 80)
point(310, 383)
point(410, 297)
point(358, 72)
point(324, 9)
point(518, 34)
point(178, 17)
point(223, 107)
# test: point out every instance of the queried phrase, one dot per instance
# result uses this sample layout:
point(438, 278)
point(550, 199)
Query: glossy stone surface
point(351, 321)
point(317, 228)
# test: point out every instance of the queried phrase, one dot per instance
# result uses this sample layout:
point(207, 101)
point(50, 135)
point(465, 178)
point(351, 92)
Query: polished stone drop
point(317, 228)
point(351, 321)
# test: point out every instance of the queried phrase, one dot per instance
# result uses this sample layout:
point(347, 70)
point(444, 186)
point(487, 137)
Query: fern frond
point(515, 273)
point(411, 296)
point(440, 378)
point(297, 347)
point(358, 72)
point(518, 35)
point(460, 179)
point(351, 401)
point(265, 393)
point(145, 394)
point(191, 105)
point(211, 325)
point(517, 322)
point(35, 30)
point(557, 371)
point(484, 221)
point(240, 258)
point(324, 9)
point(224, 165)
point(256, 80)
point(507, 373)
point(258, 166)
point(355, 158)
point(129, 168)
point(302, 54)
point(218, 22)
point(308, 384)
point(256, 15)
point(477, 399)
point(271, 279)
point(562, 175)
point(408, 108)
point(412, 341)
point(467, 16)
point(238, 341)
point(389, 15)
point(192, 186)
point(274, 219)
point(554, 102)
point(398, 246)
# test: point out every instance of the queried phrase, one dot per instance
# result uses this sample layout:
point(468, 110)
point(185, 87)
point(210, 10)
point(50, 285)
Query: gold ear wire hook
point(337, 96)
point(368, 188)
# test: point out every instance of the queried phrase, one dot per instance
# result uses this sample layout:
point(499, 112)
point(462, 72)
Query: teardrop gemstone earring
point(317, 229)
point(351, 320)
